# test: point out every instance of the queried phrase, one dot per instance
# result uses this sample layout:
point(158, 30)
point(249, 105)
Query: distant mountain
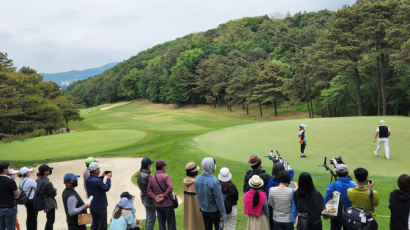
point(64, 79)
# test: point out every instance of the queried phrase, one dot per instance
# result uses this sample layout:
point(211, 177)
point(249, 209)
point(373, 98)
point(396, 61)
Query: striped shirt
point(281, 201)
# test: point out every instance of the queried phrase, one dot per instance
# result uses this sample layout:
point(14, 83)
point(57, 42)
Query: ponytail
point(255, 201)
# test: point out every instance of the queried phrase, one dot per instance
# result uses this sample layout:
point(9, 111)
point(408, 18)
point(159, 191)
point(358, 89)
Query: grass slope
point(181, 134)
point(68, 145)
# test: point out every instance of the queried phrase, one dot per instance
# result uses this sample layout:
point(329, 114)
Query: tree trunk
point(323, 111)
point(378, 86)
point(308, 107)
point(311, 107)
point(243, 106)
point(382, 75)
point(275, 106)
point(247, 109)
point(260, 108)
point(356, 77)
point(328, 109)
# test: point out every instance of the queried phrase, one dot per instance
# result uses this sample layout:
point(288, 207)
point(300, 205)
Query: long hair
point(306, 186)
point(118, 213)
point(255, 200)
point(277, 169)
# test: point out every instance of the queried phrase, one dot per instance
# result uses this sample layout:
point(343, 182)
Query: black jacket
point(399, 204)
point(230, 194)
point(265, 177)
point(313, 205)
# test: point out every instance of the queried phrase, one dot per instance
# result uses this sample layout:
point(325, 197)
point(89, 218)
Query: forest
point(354, 61)
point(29, 106)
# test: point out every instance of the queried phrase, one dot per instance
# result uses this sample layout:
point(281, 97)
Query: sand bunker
point(122, 168)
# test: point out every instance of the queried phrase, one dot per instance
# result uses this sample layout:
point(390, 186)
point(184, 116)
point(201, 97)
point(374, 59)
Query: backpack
point(358, 218)
point(38, 203)
point(22, 199)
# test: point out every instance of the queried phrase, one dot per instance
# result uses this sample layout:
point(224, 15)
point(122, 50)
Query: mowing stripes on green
point(68, 145)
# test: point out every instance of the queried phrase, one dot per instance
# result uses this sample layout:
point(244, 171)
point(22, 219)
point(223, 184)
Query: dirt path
point(122, 168)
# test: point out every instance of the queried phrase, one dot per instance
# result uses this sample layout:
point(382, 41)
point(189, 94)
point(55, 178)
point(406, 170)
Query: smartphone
point(106, 172)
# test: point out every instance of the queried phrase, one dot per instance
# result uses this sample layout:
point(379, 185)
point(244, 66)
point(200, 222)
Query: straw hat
point(255, 181)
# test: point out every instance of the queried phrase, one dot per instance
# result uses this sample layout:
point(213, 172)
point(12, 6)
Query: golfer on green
point(302, 140)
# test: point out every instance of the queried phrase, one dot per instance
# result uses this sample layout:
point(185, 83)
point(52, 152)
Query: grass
point(181, 134)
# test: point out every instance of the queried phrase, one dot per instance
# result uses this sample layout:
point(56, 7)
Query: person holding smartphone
point(98, 189)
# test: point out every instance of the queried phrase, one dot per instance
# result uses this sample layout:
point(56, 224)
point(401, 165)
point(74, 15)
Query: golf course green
point(179, 134)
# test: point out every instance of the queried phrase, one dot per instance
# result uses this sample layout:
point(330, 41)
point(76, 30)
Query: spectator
point(209, 193)
point(13, 175)
point(147, 201)
point(124, 217)
point(274, 182)
point(129, 197)
point(160, 190)
point(230, 194)
point(86, 173)
point(98, 189)
point(309, 203)
point(256, 163)
point(342, 184)
point(192, 214)
point(280, 198)
point(29, 187)
point(73, 204)
point(8, 193)
point(256, 205)
point(359, 195)
point(399, 204)
point(47, 192)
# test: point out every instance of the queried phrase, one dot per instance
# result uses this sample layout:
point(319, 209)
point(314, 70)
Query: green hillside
point(350, 62)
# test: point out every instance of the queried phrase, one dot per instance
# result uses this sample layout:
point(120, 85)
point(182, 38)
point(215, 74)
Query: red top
point(153, 188)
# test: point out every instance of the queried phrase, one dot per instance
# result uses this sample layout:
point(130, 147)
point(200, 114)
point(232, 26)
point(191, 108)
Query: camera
point(335, 162)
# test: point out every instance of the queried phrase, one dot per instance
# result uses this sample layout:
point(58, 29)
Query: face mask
point(13, 177)
point(74, 184)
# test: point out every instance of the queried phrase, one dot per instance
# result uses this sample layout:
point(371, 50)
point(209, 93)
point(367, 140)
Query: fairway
point(68, 145)
point(351, 138)
point(178, 134)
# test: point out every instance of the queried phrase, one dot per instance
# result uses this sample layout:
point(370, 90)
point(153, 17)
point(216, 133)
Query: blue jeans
point(150, 216)
point(8, 218)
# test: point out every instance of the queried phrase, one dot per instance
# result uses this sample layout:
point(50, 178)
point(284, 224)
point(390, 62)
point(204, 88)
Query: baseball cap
point(90, 160)
point(13, 171)
point(303, 125)
point(25, 170)
point(382, 122)
point(43, 168)
point(70, 176)
point(341, 168)
point(94, 166)
point(146, 161)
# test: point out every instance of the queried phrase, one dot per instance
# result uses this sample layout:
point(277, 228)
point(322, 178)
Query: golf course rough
point(349, 137)
point(68, 145)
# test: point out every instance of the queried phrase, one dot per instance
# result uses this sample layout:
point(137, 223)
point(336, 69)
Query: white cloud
point(56, 36)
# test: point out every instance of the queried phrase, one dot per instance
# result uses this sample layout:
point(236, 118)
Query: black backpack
point(38, 203)
point(22, 199)
point(359, 219)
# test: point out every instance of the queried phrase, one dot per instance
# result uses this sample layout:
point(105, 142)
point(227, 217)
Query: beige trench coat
point(192, 214)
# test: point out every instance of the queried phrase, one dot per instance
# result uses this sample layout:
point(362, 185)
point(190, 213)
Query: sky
point(57, 36)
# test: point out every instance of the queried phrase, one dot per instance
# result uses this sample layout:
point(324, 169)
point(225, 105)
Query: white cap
point(13, 171)
point(25, 170)
point(94, 166)
point(303, 125)
point(382, 122)
point(224, 175)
